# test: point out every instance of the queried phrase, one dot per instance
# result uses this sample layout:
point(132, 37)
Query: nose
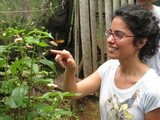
point(110, 39)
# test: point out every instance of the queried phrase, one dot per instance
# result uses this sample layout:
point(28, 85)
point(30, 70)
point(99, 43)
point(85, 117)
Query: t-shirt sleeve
point(102, 69)
point(151, 99)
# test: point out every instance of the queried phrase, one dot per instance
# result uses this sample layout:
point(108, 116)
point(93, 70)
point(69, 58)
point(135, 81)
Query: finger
point(64, 53)
point(64, 58)
point(57, 52)
point(60, 61)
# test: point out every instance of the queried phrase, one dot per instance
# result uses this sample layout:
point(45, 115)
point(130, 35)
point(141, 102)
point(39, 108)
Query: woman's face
point(144, 2)
point(120, 48)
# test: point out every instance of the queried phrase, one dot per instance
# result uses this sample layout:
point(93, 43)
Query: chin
point(112, 57)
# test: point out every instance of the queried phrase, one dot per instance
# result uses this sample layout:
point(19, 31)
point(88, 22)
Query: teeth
point(112, 49)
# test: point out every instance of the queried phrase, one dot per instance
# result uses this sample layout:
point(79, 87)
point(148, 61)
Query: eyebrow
point(118, 31)
point(123, 33)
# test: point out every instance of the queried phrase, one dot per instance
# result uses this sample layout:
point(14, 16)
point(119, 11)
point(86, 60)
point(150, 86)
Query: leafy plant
point(23, 67)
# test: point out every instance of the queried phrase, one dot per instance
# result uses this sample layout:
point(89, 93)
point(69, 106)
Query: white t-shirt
point(156, 12)
point(131, 103)
point(154, 61)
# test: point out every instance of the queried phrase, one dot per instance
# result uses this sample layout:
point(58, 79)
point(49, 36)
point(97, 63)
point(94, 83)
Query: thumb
point(71, 63)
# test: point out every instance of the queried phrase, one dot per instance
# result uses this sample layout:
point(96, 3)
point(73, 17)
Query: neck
point(149, 7)
point(133, 67)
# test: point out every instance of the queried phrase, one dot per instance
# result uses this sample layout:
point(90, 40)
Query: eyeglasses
point(117, 35)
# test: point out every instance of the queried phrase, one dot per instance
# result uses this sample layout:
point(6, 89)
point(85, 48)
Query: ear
point(141, 43)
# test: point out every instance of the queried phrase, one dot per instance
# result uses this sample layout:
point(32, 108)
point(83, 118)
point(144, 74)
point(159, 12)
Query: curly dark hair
point(143, 24)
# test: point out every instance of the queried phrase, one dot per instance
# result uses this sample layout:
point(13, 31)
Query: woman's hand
point(65, 59)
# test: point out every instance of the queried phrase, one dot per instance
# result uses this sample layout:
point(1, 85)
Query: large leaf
point(24, 62)
point(31, 40)
point(49, 64)
point(17, 97)
point(19, 94)
point(36, 41)
point(43, 109)
point(10, 102)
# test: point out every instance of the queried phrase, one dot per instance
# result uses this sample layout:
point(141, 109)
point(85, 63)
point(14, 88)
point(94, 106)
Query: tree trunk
point(77, 38)
point(130, 1)
point(124, 2)
point(93, 32)
point(101, 37)
point(116, 4)
point(108, 14)
point(85, 37)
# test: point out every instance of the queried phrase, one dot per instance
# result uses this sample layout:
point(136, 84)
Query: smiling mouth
point(141, 2)
point(112, 49)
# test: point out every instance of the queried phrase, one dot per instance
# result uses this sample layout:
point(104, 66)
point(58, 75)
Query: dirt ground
point(87, 108)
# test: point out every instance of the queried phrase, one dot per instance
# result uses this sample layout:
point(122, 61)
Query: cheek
point(127, 46)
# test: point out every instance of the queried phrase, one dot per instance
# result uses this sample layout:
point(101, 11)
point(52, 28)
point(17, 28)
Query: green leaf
point(43, 108)
point(43, 44)
point(46, 35)
point(10, 102)
point(39, 33)
point(49, 64)
point(31, 40)
point(28, 61)
point(6, 117)
point(60, 112)
point(2, 62)
point(18, 94)
point(35, 68)
point(31, 115)
point(67, 94)
point(15, 31)
point(15, 66)
point(47, 95)
point(41, 105)
point(40, 80)
point(2, 48)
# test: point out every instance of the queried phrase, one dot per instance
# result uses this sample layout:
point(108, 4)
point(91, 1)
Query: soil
point(87, 108)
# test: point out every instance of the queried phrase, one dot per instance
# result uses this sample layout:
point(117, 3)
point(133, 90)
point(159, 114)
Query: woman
point(129, 89)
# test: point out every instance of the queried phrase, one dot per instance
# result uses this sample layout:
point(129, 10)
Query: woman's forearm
point(69, 82)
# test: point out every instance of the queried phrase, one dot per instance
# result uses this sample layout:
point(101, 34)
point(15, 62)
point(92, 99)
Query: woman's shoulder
point(156, 11)
point(156, 7)
point(150, 91)
point(151, 80)
point(108, 65)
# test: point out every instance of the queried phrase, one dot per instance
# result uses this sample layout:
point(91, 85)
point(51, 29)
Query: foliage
point(22, 69)
point(26, 13)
